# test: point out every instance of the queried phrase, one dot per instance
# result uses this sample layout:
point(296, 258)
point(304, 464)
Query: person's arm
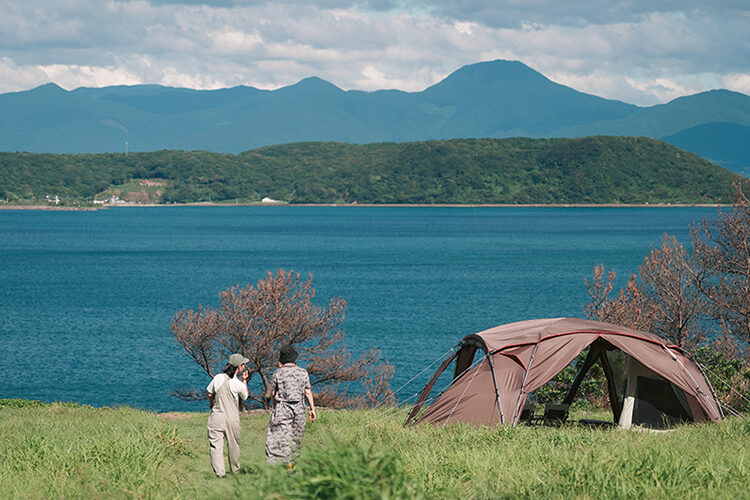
point(271, 394)
point(309, 396)
point(211, 393)
point(244, 379)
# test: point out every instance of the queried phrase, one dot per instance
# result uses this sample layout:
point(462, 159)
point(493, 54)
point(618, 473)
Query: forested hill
point(463, 171)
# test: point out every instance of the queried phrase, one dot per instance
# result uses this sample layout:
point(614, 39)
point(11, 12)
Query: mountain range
point(494, 99)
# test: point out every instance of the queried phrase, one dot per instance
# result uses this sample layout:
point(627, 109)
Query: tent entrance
point(598, 352)
point(652, 401)
point(645, 398)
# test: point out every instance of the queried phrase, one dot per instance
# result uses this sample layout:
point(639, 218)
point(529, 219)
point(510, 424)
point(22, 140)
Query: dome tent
point(496, 370)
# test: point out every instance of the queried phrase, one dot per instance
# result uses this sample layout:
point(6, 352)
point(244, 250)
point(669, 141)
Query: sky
point(643, 52)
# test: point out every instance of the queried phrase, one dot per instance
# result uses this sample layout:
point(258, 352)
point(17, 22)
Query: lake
point(86, 298)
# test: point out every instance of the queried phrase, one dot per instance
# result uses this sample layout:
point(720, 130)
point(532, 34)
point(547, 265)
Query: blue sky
point(642, 52)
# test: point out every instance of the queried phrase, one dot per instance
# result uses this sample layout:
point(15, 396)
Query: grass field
point(68, 451)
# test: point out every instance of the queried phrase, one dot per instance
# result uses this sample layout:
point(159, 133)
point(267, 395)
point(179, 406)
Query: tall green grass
point(64, 451)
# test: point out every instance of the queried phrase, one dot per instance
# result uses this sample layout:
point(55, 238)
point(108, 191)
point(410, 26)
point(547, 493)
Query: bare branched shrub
point(256, 321)
point(683, 297)
point(599, 288)
point(666, 280)
point(722, 249)
point(629, 308)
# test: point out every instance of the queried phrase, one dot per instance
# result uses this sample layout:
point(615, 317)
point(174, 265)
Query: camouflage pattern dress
point(287, 423)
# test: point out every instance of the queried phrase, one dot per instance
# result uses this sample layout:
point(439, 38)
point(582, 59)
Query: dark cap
point(287, 354)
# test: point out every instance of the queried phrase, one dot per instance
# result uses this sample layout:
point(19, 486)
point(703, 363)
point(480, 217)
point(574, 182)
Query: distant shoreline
point(368, 205)
point(48, 208)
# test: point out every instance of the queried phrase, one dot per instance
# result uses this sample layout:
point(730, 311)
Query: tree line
point(461, 171)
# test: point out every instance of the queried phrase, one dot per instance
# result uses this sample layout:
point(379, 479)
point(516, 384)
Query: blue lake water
point(88, 296)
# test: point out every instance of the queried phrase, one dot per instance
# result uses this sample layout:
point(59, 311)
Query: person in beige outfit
point(224, 393)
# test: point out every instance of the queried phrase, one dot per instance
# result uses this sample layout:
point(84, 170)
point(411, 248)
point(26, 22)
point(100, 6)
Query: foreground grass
point(82, 452)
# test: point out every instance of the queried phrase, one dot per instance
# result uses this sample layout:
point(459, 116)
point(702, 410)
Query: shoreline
point(367, 205)
point(48, 208)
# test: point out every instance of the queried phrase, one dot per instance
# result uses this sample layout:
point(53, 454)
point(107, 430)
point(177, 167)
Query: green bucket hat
point(237, 359)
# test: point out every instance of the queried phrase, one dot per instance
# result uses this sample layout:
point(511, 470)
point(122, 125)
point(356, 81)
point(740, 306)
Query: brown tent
point(661, 384)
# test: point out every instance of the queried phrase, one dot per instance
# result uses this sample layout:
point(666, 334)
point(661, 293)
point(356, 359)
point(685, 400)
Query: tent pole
point(591, 358)
point(614, 401)
point(523, 385)
point(497, 390)
point(428, 388)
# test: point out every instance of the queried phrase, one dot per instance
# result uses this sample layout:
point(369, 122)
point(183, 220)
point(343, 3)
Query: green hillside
point(64, 450)
point(462, 171)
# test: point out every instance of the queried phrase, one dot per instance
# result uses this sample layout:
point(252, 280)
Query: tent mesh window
point(659, 404)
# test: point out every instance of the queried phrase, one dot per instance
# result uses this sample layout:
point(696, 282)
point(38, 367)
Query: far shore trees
point(256, 320)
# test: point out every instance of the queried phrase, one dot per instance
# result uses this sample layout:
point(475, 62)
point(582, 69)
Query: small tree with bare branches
point(722, 249)
point(662, 297)
point(256, 321)
point(629, 308)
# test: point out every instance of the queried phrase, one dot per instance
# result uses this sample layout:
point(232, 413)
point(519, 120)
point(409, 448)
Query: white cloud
point(231, 42)
point(71, 76)
point(465, 28)
point(13, 77)
point(663, 89)
point(633, 50)
point(739, 82)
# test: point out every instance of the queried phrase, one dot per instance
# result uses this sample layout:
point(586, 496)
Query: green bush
point(729, 377)
point(21, 403)
point(342, 469)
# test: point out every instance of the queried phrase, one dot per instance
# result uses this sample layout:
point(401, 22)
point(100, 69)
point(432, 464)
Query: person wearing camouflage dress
point(290, 386)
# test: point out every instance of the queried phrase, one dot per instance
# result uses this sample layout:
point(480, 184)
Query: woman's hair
point(230, 370)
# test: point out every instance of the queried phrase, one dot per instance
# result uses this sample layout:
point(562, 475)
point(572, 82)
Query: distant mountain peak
point(488, 72)
point(313, 83)
point(49, 88)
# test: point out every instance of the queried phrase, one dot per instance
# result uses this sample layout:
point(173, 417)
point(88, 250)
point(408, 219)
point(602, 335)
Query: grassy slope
point(66, 451)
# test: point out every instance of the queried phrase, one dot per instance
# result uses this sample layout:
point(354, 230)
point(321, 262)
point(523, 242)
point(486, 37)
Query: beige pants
point(216, 438)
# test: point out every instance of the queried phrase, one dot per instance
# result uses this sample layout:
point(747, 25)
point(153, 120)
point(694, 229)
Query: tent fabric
point(467, 399)
point(528, 354)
